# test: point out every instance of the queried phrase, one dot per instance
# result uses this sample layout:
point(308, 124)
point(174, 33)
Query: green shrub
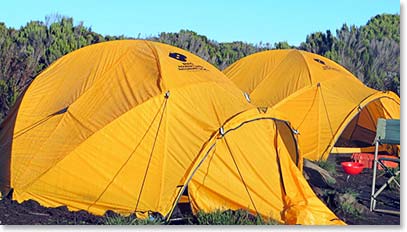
point(349, 209)
point(348, 204)
point(351, 192)
point(229, 217)
point(393, 186)
point(328, 166)
point(130, 220)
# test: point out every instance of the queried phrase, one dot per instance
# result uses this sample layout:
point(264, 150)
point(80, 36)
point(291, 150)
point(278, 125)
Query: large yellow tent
point(125, 125)
point(323, 101)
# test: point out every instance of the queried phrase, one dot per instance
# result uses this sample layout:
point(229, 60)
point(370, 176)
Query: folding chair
point(387, 132)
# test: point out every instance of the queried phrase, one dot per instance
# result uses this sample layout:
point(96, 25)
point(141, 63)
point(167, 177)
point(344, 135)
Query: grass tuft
point(348, 204)
point(131, 220)
point(229, 217)
point(218, 217)
point(328, 166)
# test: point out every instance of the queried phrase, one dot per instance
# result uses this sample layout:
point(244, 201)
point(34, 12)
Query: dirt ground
point(361, 186)
point(31, 213)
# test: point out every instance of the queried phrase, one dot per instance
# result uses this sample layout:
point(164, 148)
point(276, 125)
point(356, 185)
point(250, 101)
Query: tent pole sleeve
point(128, 158)
point(241, 177)
point(151, 153)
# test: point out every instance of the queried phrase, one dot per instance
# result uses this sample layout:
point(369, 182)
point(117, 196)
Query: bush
point(328, 166)
point(392, 186)
point(131, 220)
point(348, 204)
point(229, 217)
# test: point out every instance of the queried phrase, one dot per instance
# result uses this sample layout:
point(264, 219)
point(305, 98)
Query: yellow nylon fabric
point(318, 96)
point(258, 177)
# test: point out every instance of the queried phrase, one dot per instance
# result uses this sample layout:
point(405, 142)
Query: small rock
point(318, 176)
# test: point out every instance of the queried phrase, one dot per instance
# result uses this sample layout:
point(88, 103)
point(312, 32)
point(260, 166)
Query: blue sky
point(224, 21)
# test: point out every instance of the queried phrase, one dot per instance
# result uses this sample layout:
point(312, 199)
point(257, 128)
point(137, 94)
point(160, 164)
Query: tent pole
point(168, 217)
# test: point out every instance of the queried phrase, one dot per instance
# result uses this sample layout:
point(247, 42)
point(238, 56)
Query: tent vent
point(167, 94)
point(319, 61)
point(262, 109)
point(247, 96)
point(222, 131)
point(64, 110)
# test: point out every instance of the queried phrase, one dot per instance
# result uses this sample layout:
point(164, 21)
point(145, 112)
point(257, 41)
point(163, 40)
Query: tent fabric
point(125, 125)
point(250, 175)
point(318, 96)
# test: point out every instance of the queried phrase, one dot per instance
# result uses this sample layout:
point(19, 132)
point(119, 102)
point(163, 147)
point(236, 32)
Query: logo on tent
point(186, 66)
point(178, 56)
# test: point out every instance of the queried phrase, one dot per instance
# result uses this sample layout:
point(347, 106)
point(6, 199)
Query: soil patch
point(360, 186)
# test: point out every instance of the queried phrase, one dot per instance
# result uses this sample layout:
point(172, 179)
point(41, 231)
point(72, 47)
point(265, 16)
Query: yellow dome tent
point(322, 100)
point(248, 167)
point(125, 125)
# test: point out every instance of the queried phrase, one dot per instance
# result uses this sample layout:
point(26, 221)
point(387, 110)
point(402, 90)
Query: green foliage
point(229, 217)
point(383, 26)
point(349, 210)
point(24, 53)
point(351, 192)
point(130, 220)
point(219, 54)
point(283, 45)
point(328, 166)
point(371, 52)
point(319, 43)
point(348, 204)
point(393, 186)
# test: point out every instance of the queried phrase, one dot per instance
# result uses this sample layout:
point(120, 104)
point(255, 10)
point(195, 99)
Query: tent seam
point(306, 63)
point(158, 64)
point(271, 74)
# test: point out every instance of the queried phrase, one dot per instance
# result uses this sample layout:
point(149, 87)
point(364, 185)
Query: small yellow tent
point(124, 126)
point(321, 99)
point(248, 167)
